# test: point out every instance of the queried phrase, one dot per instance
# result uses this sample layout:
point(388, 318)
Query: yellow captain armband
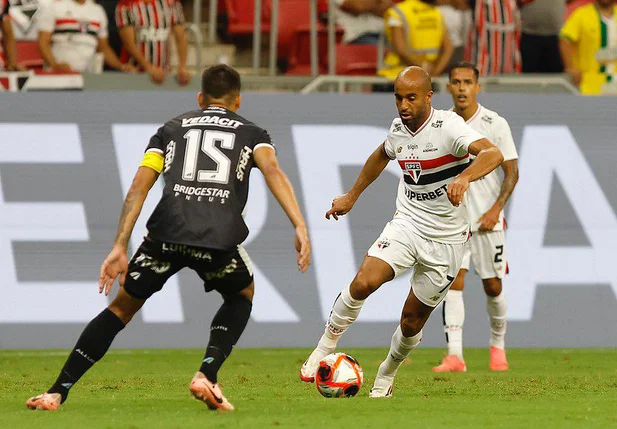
point(153, 160)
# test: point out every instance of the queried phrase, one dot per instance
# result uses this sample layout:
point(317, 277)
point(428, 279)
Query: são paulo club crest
point(414, 169)
point(383, 243)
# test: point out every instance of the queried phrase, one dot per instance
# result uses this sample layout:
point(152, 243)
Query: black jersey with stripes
point(208, 157)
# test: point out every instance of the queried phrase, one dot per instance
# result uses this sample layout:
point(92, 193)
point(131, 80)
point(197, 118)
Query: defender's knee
point(411, 325)
point(363, 286)
point(492, 287)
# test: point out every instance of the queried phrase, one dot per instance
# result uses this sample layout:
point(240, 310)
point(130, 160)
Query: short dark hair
point(220, 81)
point(464, 65)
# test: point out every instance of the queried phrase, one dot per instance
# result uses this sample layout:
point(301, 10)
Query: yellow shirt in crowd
point(424, 32)
point(595, 37)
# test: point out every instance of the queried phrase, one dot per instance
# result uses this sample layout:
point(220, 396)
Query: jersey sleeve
point(154, 155)
point(46, 18)
point(393, 17)
point(460, 135)
point(263, 140)
point(177, 13)
point(388, 147)
point(571, 30)
point(502, 138)
point(123, 15)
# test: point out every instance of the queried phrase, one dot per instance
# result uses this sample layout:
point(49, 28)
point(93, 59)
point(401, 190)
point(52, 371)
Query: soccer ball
point(339, 375)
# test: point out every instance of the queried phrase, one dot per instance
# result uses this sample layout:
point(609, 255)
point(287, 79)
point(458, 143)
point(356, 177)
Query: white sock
point(344, 312)
point(400, 347)
point(453, 319)
point(497, 308)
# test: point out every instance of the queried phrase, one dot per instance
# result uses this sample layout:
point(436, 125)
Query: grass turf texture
point(149, 389)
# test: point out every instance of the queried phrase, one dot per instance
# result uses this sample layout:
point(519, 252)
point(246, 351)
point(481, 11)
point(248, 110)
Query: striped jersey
point(76, 29)
point(483, 193)
point(430, 159)
point(494, 40)
point(152, 20)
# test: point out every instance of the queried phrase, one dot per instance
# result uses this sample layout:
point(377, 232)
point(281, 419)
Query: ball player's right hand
point(116, 264)
point(303, 248)
point(341, 205)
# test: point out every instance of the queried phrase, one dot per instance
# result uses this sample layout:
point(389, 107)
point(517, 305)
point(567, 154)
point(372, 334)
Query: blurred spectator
point(588, 45)
point(70, 34)
point(457, 16)
point(541, 21)
point(144, 27)
point(8, 55)
point(361, 20)
point(418, 36)
point(494, 37)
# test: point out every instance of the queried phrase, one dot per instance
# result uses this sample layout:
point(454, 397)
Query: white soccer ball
point(339, 375)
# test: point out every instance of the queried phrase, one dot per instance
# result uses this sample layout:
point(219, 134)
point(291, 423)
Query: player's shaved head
point(416, 77)
point(220, 84)
point(413, 92)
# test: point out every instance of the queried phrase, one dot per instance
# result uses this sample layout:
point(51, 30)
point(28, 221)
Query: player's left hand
point(488, 220)
point(457, 189)
point(303, 248)
point(128, 68)
point(183, 76)
point(116, 264)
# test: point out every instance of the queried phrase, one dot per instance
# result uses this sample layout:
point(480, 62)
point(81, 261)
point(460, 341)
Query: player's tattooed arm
point(488, 157)
point(116, 264)
point(489, 219)
point(373, 167)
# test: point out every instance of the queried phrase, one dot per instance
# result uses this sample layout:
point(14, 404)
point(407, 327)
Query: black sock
point(90, 348)
point(225, 330)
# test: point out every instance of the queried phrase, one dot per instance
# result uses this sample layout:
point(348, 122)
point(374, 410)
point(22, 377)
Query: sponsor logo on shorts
point(435, 297)
point(135, 275)
point(383, 243)
point(146, 261)
point(185, 250)
point(230, 268)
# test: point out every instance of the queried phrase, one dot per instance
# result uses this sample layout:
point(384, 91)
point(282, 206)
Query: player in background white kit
point(429, 229)
point(486, 199)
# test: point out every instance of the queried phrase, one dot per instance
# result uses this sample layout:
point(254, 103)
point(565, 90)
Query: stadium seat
point(356, 60)
point(300, 50)
point(240, 16)
point(28, 54)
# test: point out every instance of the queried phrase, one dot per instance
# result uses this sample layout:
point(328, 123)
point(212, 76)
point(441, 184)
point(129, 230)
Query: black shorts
point(226, 271)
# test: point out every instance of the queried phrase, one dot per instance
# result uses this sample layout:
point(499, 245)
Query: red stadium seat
point(28, 54)
point(240, 14)
point(300, 50)
point(356, 60)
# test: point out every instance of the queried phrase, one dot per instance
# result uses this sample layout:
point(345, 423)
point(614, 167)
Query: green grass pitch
point(544, 389)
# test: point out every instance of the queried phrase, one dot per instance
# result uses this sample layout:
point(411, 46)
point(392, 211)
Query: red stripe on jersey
point(428, 164)
point(66, 21)
point(94, 23)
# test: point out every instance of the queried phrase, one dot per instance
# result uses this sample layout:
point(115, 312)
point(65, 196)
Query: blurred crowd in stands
point(578, 37)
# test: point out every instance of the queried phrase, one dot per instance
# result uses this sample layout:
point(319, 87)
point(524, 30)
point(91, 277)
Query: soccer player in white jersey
point(486, 199)
point(430, 226)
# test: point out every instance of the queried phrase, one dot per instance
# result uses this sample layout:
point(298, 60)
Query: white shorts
point(487, 251)
point(435, 264)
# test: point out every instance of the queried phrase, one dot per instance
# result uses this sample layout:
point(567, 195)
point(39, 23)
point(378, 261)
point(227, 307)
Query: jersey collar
point(428, 120)
point(475, 115)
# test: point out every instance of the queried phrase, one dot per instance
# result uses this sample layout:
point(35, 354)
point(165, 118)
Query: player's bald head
point(413, 78)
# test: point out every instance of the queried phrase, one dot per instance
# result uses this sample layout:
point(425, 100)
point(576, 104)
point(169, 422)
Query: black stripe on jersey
point(71, 31)
point(427, 179)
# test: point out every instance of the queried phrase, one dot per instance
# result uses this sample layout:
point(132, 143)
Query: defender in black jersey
point(206, 157)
